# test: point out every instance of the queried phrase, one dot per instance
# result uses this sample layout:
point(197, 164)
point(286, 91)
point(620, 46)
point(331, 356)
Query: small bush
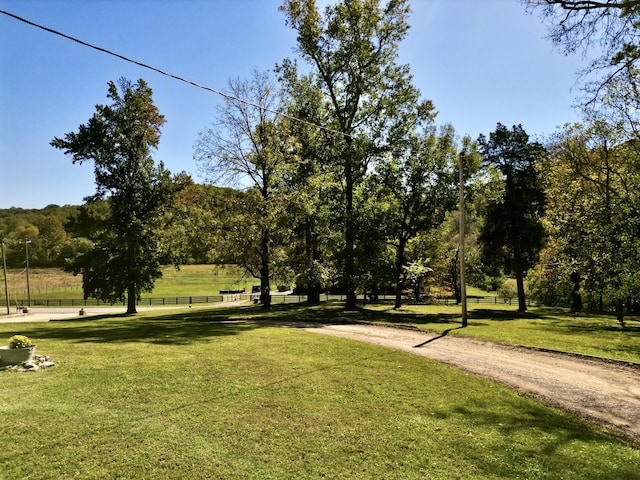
point(507, 291)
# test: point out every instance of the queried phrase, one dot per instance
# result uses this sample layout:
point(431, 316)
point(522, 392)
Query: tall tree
point(247, 146)
point(592, 183)
point(311, 191)
point(367, 97)
point(119, 139)
point(419, 186)
point(513, 233)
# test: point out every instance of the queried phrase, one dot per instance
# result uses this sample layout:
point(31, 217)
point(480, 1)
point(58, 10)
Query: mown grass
point(208, 394)
point(556, 329)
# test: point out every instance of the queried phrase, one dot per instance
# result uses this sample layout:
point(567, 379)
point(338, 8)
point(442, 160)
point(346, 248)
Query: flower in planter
point(20, 341)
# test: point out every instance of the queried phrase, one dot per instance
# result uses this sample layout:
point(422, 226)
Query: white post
point(6, 287)
point(26, 247)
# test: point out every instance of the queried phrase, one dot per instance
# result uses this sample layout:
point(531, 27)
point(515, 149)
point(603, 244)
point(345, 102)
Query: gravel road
point(608, 392)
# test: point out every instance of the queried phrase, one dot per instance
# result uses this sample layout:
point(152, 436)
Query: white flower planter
point(15, 356)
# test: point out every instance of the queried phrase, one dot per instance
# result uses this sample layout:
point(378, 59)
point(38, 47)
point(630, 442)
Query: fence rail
point(275, 299)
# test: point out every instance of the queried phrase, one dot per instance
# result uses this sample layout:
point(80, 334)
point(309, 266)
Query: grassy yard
point(195, 395)
point(555, 329)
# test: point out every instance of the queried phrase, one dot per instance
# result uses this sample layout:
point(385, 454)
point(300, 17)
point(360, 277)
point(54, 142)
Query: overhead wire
point(225, 95)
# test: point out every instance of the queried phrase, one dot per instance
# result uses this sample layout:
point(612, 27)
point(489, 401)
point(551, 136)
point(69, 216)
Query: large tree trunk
point(522, 301)
point(620, 311)
point(576, 298)
point(399, 275)
point(131, 300)
point(518, 270)
point(349, 263)
point(265, 288)
point(416, 290)
point(313, 288)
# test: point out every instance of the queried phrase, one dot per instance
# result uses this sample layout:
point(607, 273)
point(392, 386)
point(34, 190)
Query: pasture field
point(204, 394)
point(189, 280)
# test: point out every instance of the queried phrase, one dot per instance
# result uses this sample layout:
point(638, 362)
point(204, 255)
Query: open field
point(192, 395)
point(189, 280)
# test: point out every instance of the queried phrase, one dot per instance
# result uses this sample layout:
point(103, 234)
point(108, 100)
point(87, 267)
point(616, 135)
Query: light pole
point(26, 248)
point(6, 287)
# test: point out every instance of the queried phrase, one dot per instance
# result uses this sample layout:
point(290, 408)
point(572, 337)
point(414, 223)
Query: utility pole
point(463, 286)
point(26, 246)
point(6, 287)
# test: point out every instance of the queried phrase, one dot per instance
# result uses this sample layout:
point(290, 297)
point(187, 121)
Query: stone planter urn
point(16, 356)
point(20, 350)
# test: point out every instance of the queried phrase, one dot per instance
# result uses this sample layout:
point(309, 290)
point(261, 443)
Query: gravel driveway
point(608, 392)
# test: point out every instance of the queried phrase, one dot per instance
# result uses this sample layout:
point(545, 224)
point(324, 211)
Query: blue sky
point(480, 62)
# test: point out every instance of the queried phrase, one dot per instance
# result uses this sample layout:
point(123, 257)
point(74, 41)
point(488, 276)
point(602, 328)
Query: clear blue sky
point(480, 61)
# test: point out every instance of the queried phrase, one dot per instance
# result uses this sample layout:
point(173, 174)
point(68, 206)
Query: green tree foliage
point(44, 228)
point(367, 98)
point(118, 139)
point(593, 215)
point(418, 186)
point(443, 247)
point(196, 225)
point(311, 191)
point(248, 146)
point(611, 27)
point(513, 232)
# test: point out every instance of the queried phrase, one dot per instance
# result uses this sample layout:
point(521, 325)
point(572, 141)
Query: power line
point(226, 96)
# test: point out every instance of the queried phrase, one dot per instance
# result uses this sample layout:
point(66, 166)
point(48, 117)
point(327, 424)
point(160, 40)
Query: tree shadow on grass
point(301, 314)
point(310, 316)
point(504, 315)
point(186, 327)
point(162, 328)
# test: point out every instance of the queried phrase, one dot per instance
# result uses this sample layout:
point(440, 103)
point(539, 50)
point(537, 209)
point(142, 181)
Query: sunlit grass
point(556, 329)
point(188, 280)
point(208, 394)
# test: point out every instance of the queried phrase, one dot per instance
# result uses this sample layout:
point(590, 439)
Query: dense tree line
point(353, 185)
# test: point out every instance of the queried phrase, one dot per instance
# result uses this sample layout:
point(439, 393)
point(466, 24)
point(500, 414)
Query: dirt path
point(603, 391)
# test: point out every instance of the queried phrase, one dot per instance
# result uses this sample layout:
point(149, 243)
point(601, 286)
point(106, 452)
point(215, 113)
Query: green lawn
point(205, 394)
point(555, 329)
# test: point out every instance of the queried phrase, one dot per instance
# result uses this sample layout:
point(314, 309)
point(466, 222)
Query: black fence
point(92, 302)
point(275, 299)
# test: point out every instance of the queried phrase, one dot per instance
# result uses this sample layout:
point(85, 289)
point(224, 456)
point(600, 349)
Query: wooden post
point(463, 286)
